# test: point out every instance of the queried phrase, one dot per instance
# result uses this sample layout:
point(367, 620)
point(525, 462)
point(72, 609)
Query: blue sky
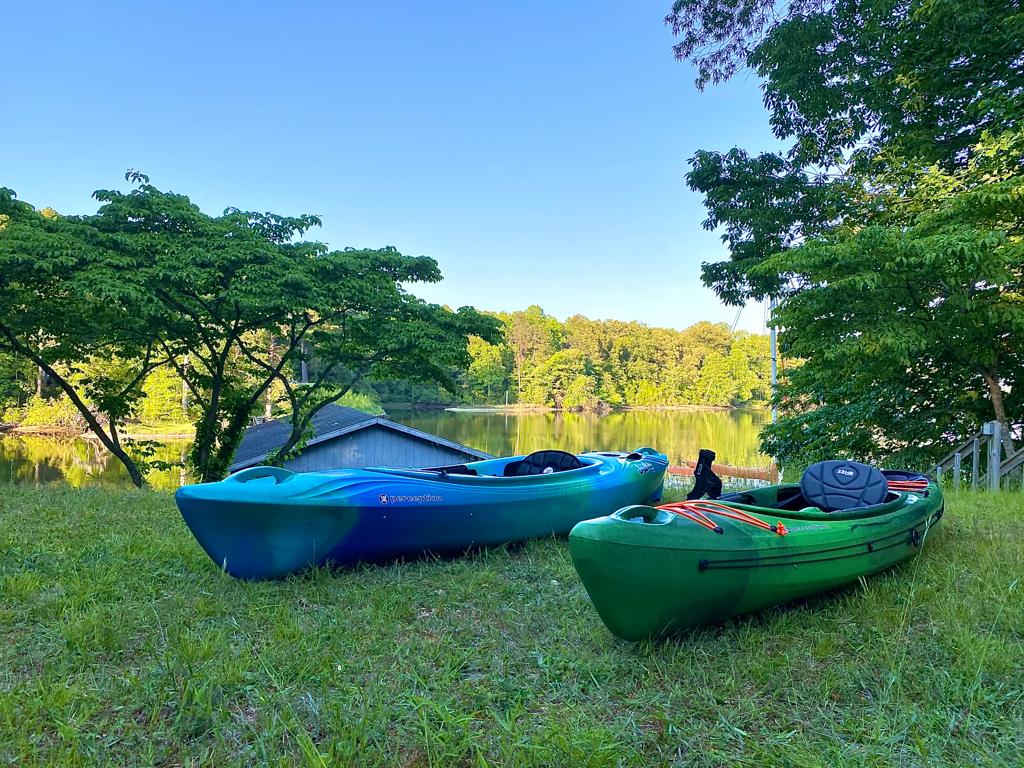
point(535, 149)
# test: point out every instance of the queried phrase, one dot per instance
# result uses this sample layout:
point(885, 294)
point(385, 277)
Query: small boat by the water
point(652, 571)
point(267, 522)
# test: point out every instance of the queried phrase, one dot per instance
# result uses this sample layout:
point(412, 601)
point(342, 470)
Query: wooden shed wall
point(375, 446)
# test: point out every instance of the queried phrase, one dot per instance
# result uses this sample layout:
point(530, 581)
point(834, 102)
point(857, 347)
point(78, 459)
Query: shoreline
point(74, 434)
point(512, 409)
point(524, 408)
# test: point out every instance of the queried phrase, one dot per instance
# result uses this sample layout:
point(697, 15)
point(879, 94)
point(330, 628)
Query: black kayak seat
point(542, 463)
point(837, 485)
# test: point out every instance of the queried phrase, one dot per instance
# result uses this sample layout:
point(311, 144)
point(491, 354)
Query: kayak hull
point(267, 523)
point(651, 572)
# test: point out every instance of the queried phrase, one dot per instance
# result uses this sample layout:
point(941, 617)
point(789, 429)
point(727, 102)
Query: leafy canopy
point(245, 300)
point(64, 301)
point(233, 303)
point(891, 229)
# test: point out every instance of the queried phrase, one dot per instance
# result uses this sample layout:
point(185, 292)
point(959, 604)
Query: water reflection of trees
point(79, 462)
point(733, 435)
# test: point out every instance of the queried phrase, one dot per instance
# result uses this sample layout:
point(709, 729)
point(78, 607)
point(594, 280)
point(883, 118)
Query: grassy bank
point(123, 645)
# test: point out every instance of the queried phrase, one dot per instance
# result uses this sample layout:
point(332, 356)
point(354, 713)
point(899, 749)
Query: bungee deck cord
point(699, 510)
point(908, 485)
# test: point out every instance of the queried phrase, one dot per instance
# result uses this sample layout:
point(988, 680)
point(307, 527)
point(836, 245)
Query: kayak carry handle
point(280, 474)
point(646, 451)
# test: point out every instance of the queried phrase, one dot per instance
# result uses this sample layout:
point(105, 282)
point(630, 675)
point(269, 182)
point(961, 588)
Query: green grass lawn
point(122, 644)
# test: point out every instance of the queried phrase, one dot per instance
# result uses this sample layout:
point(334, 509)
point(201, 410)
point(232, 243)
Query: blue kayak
point(268, 522)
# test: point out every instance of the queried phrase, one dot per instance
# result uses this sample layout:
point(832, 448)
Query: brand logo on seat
point(844, 475)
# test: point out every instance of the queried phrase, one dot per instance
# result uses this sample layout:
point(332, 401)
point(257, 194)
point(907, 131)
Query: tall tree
point(220, 286)
point(891, 228)
point(486, 378)
point(17, 378)
point(99, 302)
point(533, 337)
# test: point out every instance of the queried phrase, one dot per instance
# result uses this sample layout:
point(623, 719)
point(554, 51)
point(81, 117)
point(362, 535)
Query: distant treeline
point(585, 364)
point(581, 364)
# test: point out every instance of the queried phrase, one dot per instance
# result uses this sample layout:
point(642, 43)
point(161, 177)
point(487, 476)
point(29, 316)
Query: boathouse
point(345, 438)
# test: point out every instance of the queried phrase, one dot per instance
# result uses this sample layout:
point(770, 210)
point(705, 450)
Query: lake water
point(80, 462)
point(733, 435)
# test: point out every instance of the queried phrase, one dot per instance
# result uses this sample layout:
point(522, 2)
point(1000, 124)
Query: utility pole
point(774, 351)
point(773, 346)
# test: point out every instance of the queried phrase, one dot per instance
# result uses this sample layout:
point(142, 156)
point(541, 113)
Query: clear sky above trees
point(544, 140)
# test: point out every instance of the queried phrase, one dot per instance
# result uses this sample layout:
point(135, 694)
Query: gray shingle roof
point(329, 422)
point(261, 439)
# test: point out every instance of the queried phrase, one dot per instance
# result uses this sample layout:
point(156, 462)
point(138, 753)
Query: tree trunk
point(268, 404)
point(184, 388)
point(995, 393)
point(206, 430)
point(110, 441)
point(219, 456)
point(299, 424)
point(115, 448)
point(40, 381)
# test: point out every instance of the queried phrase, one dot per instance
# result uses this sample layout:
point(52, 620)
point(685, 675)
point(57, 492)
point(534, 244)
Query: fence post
point(956, 470)
point(975, 460)
point(993, 429)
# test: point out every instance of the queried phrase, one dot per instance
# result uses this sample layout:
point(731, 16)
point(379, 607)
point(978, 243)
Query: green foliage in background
point(362, 401)
point(17, 381)
point(163, 399)
point(585, 364)
point(892, 229)
point(49, 412)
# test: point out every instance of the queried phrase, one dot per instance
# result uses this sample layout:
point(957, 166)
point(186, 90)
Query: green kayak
point(652, 571)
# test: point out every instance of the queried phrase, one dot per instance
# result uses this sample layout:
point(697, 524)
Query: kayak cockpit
point(836, 490)
point(790, 500)
point(535, 465)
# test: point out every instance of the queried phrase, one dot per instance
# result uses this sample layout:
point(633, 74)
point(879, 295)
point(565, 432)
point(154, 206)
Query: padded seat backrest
point(837, 485)
point(543, 463)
